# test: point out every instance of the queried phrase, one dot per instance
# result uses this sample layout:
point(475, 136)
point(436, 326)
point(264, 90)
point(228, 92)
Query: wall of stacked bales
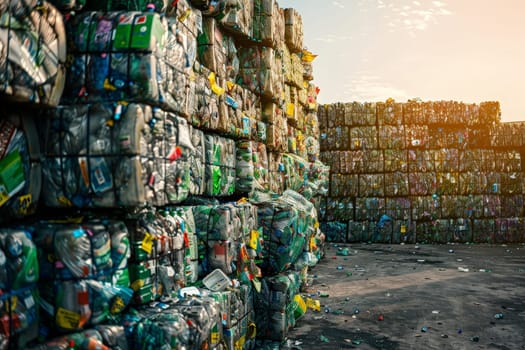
point(159, 174)
point(430, 172)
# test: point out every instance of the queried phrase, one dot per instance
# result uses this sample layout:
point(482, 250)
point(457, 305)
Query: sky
point(462, 50)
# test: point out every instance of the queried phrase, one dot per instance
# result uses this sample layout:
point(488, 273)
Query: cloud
point(412, 16)
point(338, 4)
point(369, 87)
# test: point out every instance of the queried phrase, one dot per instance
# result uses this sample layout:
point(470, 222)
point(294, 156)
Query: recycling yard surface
point(415, 297)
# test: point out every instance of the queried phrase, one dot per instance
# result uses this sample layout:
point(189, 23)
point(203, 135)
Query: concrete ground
point(416, 297)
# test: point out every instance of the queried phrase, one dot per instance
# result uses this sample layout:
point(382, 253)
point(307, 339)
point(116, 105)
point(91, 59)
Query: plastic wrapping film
point(389, 112)
point(19, 274)
point(276, 304)
point(131, 56)
point(107, 155)
point(20, 167)
point(220, 165)
point(392, 137)
point(364, 138)
point(283, 239)
point(159, 254)
point(268, 23)
point(83, 273)
point(261, 71)
point(251, 167)
point(32, 52)
point(360, 114)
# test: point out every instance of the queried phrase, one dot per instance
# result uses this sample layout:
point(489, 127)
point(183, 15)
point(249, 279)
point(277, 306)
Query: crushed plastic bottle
point(498, 316)
point(324, 339)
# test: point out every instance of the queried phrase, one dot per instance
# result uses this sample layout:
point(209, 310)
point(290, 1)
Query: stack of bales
point(422, 171)
point(133, 132)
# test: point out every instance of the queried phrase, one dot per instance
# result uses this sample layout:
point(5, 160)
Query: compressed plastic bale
point(483, 230)
point(462, 230)
point(420, 161)
point(392, 137)
point(509, 230)
point(220, 165)
point(425, 208)
point(251, 166)
point(275, 306)
point(398, 208)
point(268, 23)
point(446, 183)
point(512, 205)
point(396, 160)
point(32, 53)
point(371, 185)
point(416, 135)
point(282, 242)
point(293, 29)
point(489, 112)
point(159, 236)
point(491, 206)
point(20, 168)
point(335, 231)
point(82, 267)
point(115, 155)
point(340, 209)
point(203, 316)
point(237, 17)
point(403, 231)
point(19, 274)
point(369, 208)
point(389, 112)
point(211, 48)
point(276, 173)
point(344, 185)
point(196, 163)
point(132, 56)
point(364, 137)
point(156, 328)
point(421, 184)
point(360, 114)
